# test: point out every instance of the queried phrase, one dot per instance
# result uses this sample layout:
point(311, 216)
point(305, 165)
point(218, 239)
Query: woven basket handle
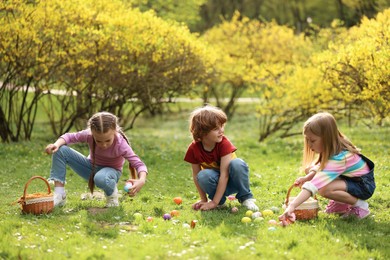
point(288, 194)
point(31, 179)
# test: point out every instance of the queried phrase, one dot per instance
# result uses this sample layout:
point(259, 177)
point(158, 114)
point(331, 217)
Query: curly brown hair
point(205, 119)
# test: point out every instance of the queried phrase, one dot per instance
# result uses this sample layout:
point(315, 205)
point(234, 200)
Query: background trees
point(99, 55)
point(74, 58)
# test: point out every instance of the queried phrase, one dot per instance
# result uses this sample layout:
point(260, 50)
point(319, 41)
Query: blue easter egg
point(128, 186)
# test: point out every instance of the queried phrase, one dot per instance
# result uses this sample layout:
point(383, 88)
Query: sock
point(361, 204)
point(59, 190)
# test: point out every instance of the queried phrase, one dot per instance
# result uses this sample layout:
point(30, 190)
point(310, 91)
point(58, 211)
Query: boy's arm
point(222, 183)
point(195, 171)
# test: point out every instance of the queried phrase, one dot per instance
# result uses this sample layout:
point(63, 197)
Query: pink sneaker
point(358, 212)
point(337, 207)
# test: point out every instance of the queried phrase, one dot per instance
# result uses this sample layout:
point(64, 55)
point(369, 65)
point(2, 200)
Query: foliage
point(99, 56)
point(358, 68)
point(297, 14)
point(76, 231)
point(259, 58)
point(20, 71)
point(292, 96)
point(186, 12)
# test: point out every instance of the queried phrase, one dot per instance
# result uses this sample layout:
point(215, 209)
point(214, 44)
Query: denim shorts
point(362, 187)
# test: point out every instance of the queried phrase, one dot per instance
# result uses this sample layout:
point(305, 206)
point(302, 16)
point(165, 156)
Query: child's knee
point(202, 177)
point(238, 165)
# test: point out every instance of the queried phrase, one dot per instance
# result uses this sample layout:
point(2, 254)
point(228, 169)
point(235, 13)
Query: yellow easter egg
point(246, 220)
point(267, 212)
point(249, 213)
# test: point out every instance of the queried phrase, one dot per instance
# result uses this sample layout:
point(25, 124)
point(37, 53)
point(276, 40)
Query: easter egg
point(273, 222)
point(249, 213)
point(137, 215)
point(234, 210)
point(259, 219)
point(271, 228)
point(149, 219)
point(177, 200)
point(231, 197)
point(256, 214)
point(246, 220)
point(128, 186)
point(193, 223)
point(267, 212)
point(274, 209)
point(197, 206)
point(175, 213)
point(185, 225)
point(167, 216)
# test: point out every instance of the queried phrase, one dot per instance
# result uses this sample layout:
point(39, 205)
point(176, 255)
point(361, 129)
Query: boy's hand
point(197, 205)
point(209, 205)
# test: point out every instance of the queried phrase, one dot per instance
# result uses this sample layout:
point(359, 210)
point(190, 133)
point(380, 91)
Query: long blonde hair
point(324, 125)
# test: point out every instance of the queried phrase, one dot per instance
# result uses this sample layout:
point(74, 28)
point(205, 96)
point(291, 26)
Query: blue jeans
point(105, 178)
point(238, 181)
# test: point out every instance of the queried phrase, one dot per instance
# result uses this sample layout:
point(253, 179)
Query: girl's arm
point(302, 197)
point(52, 148)
point(222, 183)
point(301, 180)
point(138, 183)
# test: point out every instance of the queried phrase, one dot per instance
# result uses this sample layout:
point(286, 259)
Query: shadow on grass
point(366, 233)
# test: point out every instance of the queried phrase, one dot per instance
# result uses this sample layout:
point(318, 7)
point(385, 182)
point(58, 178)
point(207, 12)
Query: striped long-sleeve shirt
point(345, 163)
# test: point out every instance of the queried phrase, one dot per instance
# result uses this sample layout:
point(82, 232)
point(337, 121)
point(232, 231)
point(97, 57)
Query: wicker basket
point(307, 210)
point(37, 203)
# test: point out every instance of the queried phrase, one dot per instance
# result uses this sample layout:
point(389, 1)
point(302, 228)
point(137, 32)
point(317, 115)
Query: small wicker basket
point(307, 210)
point(37, 203)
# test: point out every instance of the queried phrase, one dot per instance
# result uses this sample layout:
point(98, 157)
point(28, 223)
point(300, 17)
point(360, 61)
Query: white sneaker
point(112, 201)
point(250, 204)
point(59, 199)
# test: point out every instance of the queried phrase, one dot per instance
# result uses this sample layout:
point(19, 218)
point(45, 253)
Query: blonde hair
point(324, 126)
point(204, 119)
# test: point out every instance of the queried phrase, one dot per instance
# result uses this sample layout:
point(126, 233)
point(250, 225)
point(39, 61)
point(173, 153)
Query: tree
point(105, 57)
point(23, 69)
point(358, 67)
point(246, 50)
point(186, 12)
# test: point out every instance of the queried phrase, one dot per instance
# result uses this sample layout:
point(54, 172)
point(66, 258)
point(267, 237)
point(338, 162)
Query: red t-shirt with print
point(209, 160)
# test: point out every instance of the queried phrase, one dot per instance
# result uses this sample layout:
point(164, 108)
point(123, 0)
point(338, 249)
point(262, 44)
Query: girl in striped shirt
point(335, 169)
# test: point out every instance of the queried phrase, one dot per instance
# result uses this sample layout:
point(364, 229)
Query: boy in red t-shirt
point(215, 169)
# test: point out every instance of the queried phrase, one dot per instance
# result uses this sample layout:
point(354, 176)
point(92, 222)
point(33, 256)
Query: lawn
point(79, 231)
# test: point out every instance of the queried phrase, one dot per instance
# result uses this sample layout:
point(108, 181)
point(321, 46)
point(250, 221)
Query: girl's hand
point(51, 148)
point(209, 205)
point(300, 181)
point(137, 186)
point(288, 214)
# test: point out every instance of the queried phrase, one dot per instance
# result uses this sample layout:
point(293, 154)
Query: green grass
point(74, 232)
